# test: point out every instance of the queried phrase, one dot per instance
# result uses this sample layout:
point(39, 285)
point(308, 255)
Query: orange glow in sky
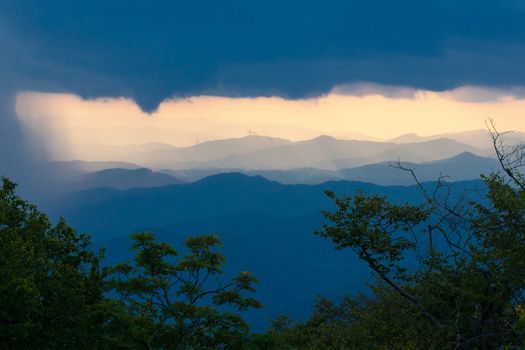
point(70, 124)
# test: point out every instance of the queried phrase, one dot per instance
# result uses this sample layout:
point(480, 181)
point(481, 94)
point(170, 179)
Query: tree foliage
point(50, 281)
point(55, 295)
point(178, 304)
point(449, 274)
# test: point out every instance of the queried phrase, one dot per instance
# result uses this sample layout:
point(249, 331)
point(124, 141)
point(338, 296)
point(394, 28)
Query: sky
point(300, 67)
point(76, 124)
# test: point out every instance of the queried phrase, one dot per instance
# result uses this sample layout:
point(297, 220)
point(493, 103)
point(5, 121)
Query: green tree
point(466, 290)
point(50, 280)
point(55, 295)
point(170, 303)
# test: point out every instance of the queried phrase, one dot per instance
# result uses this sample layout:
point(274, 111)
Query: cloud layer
point(293, 49)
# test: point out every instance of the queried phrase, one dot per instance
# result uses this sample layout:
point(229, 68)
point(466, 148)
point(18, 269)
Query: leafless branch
point(510, 157)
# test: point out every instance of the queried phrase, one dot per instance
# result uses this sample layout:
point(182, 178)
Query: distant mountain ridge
point(211, 196)
point(158, 155)
point(464, 166)
point(304, 162)
point(324, 152)
point(262, 152)
point(63, 177)
point(62, 170)
point(477, 138)
point(124, 179)
point(57, 178)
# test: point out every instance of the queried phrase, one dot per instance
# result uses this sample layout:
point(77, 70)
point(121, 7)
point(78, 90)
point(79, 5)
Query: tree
point(449, 273)
point(55, 295)
point(51, 285)
point(167, 303)
point(468, 289)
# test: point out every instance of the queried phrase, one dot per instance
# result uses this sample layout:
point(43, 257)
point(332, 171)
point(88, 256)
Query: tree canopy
point(50, 280)
point(176, 304)
point(448, 274)
point(54, 294)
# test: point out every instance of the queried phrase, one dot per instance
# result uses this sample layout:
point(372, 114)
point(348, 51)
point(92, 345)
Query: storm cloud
point(294, 49)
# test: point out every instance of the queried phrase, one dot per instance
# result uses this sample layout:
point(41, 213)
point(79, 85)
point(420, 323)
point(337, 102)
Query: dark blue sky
point(150, 50)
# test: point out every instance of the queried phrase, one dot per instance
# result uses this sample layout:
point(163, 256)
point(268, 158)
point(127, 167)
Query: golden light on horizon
point(71, 123)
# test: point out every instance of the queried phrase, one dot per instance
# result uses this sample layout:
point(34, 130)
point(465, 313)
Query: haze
point(70, 125)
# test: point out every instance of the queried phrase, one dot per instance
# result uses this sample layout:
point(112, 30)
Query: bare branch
point(511, 158)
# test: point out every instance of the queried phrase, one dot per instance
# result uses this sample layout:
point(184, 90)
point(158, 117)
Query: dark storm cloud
point(153, 50)
point(13, 153)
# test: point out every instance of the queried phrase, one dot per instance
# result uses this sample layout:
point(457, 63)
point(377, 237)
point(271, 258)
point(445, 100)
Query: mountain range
point(328, 153)
point(266, 227)
point(262, 196)
point(464, 166)
point(75, 176)
point(323, 152)
point(476, 138)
